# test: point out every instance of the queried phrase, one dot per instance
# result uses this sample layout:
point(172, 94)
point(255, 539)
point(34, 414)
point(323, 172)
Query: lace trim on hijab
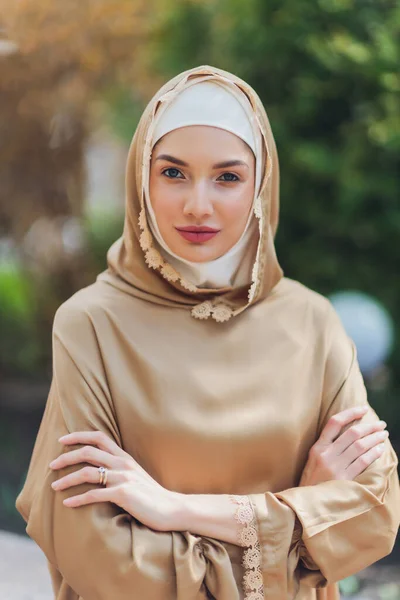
point(253, 585)
point(215, 308)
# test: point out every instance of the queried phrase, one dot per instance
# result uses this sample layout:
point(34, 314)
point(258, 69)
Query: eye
point(173, 173)
point(230, 175)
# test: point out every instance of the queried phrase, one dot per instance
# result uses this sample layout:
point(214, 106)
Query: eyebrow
point(220, 165)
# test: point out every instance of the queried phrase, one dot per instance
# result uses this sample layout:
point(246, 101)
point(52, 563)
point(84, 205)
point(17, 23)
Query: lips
point(197, 234)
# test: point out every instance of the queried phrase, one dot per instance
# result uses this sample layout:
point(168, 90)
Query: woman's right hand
point(337, 455)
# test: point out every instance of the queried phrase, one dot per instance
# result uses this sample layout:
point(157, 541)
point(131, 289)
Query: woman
point(217, 441)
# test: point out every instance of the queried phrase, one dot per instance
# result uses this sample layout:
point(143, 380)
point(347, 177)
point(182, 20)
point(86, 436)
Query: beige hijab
point(130, 257)
point(212, 391)
point(216, 104)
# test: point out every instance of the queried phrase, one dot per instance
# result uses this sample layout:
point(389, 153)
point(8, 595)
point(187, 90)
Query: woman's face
point(201, 190)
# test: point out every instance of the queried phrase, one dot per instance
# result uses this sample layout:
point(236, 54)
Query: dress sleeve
point(98, 551)
point(320, 534)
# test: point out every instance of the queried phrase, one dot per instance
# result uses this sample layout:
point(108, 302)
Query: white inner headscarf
point(225, 106)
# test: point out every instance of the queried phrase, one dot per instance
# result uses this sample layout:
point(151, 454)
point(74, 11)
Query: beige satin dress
point(219, 392)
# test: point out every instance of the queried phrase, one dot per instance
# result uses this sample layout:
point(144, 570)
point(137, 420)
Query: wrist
point(190, 512)
point(181, 511)
point(206, 515)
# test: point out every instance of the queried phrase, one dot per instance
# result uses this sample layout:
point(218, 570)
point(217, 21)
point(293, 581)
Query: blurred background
point(74, 79)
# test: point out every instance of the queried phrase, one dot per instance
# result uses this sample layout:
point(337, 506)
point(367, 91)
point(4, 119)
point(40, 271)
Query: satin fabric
point(205, 406)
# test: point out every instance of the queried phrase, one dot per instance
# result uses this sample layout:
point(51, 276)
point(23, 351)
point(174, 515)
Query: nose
point(198, 203)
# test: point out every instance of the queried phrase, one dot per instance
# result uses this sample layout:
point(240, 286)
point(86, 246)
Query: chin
point(194, 257)
point(202, 260)
point(198, 255)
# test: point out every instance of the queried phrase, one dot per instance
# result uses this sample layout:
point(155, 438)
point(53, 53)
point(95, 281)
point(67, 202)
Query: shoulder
point(319, 313)
point(305, 304)
point(313, 317)
point(82, 310)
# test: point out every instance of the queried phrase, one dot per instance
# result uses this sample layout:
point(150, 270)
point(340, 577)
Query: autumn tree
point(55, 60)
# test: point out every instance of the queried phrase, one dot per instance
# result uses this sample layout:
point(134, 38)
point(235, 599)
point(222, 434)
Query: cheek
point(164, 201)
point(236, 209)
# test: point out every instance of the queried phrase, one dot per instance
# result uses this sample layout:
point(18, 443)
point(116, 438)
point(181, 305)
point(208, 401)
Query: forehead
point(194, 139)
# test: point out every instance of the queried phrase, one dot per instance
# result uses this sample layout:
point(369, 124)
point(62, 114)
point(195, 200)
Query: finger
point(101, 440)
point(333, 427)
point(354, 434)
point(95, 438)
point(362, 445)
point(359, 465)
point(87, 454)
point(95, 495)
point(85, 475)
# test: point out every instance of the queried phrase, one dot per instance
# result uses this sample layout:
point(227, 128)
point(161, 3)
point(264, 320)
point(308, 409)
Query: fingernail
point(54, 484)
point(381, 447)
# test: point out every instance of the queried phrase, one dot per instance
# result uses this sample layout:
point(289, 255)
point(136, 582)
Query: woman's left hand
point(128, 484)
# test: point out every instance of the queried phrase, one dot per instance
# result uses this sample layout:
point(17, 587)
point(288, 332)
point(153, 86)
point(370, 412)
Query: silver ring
point(103, 476)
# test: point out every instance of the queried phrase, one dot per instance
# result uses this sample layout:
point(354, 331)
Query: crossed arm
point(173, 547)
point(335, 456)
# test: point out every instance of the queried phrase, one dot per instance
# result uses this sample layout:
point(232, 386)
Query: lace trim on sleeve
point(253, 585)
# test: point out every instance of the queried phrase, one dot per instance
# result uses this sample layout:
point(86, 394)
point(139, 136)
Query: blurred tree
point(55, 59)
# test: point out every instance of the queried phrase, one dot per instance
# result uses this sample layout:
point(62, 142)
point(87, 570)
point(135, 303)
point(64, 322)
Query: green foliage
point(327, 73)
point(181, 33)
point(23, 347)
point(124, 111)
point(103, 228)
point(14, 292)
point(19, 349)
